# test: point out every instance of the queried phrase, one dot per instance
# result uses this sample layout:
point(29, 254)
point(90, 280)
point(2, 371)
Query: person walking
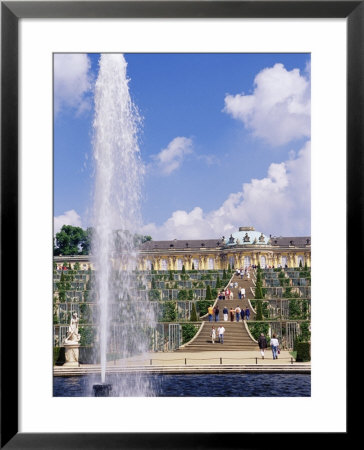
point(225, 311)
point(213, 335)
point(274, 345)
point(210, 310)
point(237, 313)
point(221, 331)
point(247, 313)
point(262, 342)
point(232, 312)
point(242, 292)
point(217, 314)
point(242, 313)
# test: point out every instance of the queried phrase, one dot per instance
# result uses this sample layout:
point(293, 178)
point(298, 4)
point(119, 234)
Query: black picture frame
point(11, 12)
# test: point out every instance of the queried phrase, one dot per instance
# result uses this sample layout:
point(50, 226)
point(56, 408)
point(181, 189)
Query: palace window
point(210, 263)
point(262, 262)
point(179, 264)
point(164, 264)
point(246, 261)
point(195, 263)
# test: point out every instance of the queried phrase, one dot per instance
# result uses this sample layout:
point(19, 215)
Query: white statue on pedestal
point(72, 336)
point(71, 342)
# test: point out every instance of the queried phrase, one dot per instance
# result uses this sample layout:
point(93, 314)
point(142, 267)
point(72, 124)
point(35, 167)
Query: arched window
point(149, 264)
point(246, 261)
point(262, 262)
point(300, 260)
point(164, 264)
point(195, 262)
point(232, 261)
point(210, 263)
point(179, 264)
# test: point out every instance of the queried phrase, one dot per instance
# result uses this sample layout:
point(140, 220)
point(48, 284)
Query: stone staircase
point(236, 336)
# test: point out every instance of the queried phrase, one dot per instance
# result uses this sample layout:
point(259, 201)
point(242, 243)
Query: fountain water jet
point(124, 318)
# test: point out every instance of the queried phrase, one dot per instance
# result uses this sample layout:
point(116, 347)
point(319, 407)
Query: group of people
point(243, 272)
point(237, 313)
point(220, 333)
point(274, 343)
point(226, 295)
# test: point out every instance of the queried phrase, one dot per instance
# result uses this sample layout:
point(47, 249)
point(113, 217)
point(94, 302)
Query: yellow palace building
point(246, 247)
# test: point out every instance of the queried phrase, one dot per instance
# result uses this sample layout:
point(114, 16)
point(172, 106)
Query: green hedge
point(303, 352)
point(202, 306)
point(188, 332)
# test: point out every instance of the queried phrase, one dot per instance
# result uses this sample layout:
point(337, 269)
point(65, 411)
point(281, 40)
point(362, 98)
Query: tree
point(259, 314)
point(218, 282)
point(208, 293)
point(193, 313)
point(86, 243)
point(70, 241)
point(169, 311)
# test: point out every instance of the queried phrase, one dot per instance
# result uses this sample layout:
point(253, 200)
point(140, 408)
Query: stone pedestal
point(71, 354)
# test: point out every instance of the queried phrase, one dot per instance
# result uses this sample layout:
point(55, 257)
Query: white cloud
point(170, 159)
point(68, 218)
point(71, 82)
point(278, 111)
point(277, 204)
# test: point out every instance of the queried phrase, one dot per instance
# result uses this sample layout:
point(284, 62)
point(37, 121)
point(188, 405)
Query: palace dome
point(247, 236)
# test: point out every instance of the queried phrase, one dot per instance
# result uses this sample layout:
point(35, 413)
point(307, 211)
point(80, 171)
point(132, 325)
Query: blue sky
point(225, 140)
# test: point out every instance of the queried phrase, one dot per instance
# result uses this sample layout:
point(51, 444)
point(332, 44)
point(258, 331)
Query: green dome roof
point(247, 236)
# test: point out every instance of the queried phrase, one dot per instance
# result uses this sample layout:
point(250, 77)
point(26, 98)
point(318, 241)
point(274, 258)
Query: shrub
point(56, 352)
point(58, 355)
point(87, 336)
point(188, 332)
point(169, 312)
point(182, 294)
point(259, 309)
point(303, 351)
point(257, 328)
point(208, 293)
point(193, 317)
point(218, 282)
point(202, 306)
point(258, 290)
point(154, 294)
